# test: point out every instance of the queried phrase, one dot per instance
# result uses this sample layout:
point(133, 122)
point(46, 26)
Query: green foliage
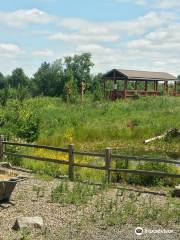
point(2, 81)
point(15, 161)
point(80, 66)
point(28, 126)
point(18, 78)
point(53, 79)
point(70, 88)
point(21, 121)
point(153, 180)
point(96, 88)
point(111, 122)
point(22, 93)
point(94, 126)
point(4, 94)
point(78, 193)
point(48, 80)
point(125, 208)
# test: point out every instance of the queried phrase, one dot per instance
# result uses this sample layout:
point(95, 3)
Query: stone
point(28, 222)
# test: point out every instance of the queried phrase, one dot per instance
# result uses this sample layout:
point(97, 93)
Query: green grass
point(122, 210)
point(122, 125)
point(78, 193)
point(96, 125)
point(102, 124)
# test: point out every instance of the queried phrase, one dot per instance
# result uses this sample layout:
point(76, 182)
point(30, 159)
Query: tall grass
point(122, 125)
point(102, 124)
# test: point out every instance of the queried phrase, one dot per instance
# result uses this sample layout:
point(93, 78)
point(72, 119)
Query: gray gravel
point(65, 222)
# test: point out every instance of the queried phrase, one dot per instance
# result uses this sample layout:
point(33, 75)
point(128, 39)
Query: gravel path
point(33, 198)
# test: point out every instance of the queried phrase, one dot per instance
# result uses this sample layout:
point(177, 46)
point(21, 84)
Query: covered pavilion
point(145, 78)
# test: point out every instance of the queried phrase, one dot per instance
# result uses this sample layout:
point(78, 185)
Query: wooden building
point(131, 79)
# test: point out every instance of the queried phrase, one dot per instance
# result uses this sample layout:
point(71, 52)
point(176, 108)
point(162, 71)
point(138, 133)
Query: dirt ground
point(68, 221)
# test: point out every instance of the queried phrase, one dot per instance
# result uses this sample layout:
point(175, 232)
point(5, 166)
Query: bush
point(20, 120)
point(28, 127)
point(153, 180)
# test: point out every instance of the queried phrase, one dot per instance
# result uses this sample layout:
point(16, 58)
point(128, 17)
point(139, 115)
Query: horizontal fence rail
point(139, 158)
point(36, 146)
point(36, 158)
point(108, 157)
point(147, 173)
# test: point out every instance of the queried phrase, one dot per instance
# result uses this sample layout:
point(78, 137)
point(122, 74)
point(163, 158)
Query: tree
point(70, 87)
point(47, 79)
point(2, 81)
point(18, 78)
point(80, 66)
point(22, 93)
point(4, 94)
point(96, 87)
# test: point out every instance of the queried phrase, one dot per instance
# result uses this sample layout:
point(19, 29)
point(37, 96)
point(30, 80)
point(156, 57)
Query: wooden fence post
point(108, 152)
point(1, 147)
point(71, 162)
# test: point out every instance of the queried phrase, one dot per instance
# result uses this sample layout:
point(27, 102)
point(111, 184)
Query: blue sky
point(131, 34)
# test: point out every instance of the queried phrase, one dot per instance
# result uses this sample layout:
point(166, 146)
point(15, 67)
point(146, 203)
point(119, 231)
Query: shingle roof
point(147, 75)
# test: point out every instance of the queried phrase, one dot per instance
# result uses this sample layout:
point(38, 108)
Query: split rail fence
point(107, 156)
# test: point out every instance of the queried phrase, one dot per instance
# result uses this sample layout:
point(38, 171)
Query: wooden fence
point(107, 156)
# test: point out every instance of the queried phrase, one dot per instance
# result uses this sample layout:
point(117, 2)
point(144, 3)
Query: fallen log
point(173, 132)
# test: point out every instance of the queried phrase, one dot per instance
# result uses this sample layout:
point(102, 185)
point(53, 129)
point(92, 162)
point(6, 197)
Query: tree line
point(62, 78)
point(65, 78)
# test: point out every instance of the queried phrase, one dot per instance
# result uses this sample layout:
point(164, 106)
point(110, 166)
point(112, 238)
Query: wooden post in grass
point(82, 91)
point(108, 153)
point(1, 147)
point(71, 162)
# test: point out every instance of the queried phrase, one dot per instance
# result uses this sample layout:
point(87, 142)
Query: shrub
point(28, 127)
point(153, 180)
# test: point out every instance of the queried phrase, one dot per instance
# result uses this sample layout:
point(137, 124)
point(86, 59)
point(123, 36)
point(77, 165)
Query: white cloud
point(149, 42)
point(23, 17)
point(139, 25)
point(9, 50)
point(167, 38)
point(161, 4)
point(102, 56)
point(158, 50)
point(93, 48)
point(43, 53)
point(166, 4)
point(9, 54)
point(138, 2)
point(161, 48)
point(82, 31)
point(84, 37)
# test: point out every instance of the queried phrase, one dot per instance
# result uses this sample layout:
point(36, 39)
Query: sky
point(127, 34)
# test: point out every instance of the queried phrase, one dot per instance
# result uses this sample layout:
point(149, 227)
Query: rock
point(28, 222)
point(176, 191)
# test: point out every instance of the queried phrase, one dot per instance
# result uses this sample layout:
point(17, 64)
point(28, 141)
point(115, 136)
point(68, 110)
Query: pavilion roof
point(143, 75)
